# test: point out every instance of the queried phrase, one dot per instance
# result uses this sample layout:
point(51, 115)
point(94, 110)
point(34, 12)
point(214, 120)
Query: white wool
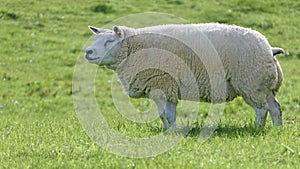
point(251, 70)
point(222, 61)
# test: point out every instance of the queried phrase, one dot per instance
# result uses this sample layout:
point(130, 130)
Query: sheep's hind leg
point(261, 116)
point(275, 109)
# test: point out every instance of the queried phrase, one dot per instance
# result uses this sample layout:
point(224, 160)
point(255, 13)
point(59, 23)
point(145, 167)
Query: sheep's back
point(227, 56)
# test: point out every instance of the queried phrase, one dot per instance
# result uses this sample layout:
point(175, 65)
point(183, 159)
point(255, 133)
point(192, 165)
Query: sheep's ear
point(96, 30)
point(118, 31)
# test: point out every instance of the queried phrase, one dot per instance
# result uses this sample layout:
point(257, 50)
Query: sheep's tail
point(278, 68)
point(277, 51)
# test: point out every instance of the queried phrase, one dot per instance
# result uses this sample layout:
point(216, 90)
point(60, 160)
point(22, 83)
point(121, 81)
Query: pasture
point(40, 43)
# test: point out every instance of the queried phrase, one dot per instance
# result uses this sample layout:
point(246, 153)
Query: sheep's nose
point(89, 51)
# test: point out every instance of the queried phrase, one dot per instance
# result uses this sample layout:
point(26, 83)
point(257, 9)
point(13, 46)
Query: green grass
point(40, 44)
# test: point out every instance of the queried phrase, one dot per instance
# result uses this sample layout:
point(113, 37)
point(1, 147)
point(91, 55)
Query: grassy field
point(40, 43)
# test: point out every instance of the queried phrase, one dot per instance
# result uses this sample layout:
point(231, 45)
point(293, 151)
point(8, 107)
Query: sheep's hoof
point(171, 131)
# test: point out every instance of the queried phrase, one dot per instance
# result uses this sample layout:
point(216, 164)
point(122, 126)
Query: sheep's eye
point(108, 41)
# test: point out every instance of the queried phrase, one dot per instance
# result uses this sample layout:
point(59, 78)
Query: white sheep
point(156, 63)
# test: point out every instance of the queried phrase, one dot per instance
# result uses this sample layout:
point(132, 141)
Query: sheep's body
point(144, 61)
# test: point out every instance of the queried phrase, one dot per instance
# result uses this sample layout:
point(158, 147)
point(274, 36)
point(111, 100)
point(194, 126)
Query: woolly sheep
point(144, 61)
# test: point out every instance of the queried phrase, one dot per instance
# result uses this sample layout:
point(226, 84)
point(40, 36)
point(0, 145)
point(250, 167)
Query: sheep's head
point(105, 47)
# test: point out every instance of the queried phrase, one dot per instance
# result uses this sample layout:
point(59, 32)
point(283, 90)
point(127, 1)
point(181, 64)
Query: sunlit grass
point(40, 43)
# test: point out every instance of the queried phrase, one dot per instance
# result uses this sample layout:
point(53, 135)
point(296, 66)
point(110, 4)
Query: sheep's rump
point(225, 61)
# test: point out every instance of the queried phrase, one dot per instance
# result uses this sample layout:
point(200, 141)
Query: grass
point(40, 43)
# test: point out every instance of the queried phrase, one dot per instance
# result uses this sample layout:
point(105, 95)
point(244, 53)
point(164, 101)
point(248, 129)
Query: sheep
point(156, 62)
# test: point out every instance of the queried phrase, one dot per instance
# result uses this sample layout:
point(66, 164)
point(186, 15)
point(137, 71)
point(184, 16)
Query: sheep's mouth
point(91, 59)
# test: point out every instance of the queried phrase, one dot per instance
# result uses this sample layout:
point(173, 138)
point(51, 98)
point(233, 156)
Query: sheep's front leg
point(170, 110)
point(161, 111)
point(167, 113)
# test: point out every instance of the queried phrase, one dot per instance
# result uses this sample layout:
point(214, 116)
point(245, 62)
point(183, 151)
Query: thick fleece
point(221, 61)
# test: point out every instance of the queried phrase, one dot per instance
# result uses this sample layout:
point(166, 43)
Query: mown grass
point(40, 43)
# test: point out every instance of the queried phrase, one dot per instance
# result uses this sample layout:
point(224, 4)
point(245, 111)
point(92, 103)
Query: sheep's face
point(105, 47)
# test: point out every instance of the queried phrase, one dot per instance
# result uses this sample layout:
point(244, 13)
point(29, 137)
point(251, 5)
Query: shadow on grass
point(231, 130)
